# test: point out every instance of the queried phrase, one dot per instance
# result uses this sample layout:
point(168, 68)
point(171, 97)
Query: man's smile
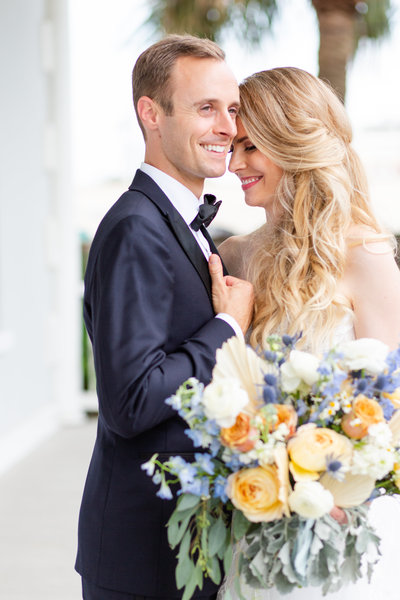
point(215, 148)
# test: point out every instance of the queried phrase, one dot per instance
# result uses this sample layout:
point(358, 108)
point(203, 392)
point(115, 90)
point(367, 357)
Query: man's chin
point(215, 171)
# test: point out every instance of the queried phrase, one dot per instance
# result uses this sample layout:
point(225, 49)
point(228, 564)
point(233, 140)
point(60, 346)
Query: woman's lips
point(248, 182)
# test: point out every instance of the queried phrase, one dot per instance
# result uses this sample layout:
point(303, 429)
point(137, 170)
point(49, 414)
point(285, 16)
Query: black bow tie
point(207, 212)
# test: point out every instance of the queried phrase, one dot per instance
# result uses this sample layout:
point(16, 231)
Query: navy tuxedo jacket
point(148, 312)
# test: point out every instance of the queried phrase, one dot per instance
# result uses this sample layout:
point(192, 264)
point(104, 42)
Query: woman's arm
point(373, 281)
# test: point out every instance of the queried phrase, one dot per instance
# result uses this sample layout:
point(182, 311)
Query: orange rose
point(256, 492)
point(241, 436)
point(365, 412)
point(285, 414)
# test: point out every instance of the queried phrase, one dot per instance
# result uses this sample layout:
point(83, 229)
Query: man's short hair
point(152, 71)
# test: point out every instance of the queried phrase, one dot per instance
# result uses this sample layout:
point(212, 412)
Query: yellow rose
point(396, 478)
point(309, 448)
point(241, 436)
point(394, 397)
point(256, 492)
point(365, 412)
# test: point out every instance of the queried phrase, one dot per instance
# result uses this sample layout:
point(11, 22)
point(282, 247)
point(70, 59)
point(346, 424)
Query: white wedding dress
point(384, 515)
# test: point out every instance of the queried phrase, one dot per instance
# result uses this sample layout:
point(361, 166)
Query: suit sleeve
point(129, 303)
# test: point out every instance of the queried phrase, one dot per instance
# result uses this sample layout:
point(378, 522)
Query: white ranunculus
point(310, 500)
point(223, 400)
point(365, 353)
point(300, 367)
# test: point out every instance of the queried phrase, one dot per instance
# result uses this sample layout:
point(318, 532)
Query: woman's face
point(258, 174)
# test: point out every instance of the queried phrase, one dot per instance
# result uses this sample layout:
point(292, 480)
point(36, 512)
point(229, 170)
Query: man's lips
point(248, 182)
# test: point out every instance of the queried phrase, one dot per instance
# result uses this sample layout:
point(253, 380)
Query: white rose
point(310, 500)
point(301, 367)
point(365, 353)
point(223, 400)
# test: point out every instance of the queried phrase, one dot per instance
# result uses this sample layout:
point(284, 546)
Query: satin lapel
point(191, 247)
point(213, 247)
point(144, 184)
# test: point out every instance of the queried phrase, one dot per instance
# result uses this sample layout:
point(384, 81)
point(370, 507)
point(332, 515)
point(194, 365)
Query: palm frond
point(374, 18)
point(247, 19)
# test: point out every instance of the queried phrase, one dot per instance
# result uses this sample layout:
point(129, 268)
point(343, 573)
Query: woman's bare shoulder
point(233, 252)
point(361, 239)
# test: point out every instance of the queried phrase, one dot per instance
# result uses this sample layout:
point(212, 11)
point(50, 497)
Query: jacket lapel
point(144, 184)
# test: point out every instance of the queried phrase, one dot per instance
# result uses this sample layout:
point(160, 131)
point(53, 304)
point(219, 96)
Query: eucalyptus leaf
point(184, 571)
point(172, 533)
point(187, 501)
point(185, 545)
point(224, 547)
point(189, 589)
point(214, 570)
point(198, 575)
point(216, 536)
point(228, 558)
point(240, 525)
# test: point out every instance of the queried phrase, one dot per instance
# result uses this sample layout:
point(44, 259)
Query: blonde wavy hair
point(298, 122)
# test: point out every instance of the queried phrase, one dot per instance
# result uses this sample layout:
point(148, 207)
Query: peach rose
point(256, 493)
point(285, 414)
point(309, 448)
point(241, 436)
point(365, 412)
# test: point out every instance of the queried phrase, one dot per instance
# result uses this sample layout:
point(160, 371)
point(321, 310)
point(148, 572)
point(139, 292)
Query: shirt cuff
point(232, 322)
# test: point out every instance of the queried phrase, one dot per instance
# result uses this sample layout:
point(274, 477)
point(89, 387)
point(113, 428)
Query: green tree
point(341, 25)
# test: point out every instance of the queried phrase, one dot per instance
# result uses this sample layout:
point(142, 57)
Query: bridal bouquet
point(285, 439)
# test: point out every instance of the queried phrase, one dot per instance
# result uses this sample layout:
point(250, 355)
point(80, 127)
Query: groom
point(154, 315)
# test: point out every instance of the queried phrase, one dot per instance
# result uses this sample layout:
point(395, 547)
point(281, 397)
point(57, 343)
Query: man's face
point(195, 139)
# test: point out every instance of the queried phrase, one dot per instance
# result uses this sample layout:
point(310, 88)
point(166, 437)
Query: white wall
point(39, 305)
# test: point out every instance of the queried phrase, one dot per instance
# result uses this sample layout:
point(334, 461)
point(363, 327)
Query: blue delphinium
point(198, 487)
point(196, 436)
point(219, 488)
point(185, 471)
point(333, 387)
point(164, 492)
point(387, 407)
point(205, 463)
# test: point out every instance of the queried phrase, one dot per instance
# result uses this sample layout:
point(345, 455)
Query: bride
point(321, 264)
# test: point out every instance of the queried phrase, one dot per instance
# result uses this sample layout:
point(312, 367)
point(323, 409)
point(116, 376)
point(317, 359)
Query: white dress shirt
point(187, 205)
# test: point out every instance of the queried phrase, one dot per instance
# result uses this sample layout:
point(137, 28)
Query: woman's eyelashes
point(246, 148)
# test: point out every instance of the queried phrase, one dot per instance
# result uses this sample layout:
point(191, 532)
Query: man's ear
point(148, 112)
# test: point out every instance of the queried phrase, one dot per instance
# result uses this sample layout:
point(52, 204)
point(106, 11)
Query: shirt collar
point(180, 196)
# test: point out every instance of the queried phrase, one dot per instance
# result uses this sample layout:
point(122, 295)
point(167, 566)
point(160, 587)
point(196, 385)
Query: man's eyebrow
point(215, 101)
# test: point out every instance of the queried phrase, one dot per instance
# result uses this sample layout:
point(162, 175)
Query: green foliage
point(293, 552)
point(375, 19)
point(200, 528)
point(250, 20)
point(247, 19)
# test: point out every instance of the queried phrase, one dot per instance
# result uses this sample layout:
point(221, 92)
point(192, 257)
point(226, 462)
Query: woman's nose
point(236, 161)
